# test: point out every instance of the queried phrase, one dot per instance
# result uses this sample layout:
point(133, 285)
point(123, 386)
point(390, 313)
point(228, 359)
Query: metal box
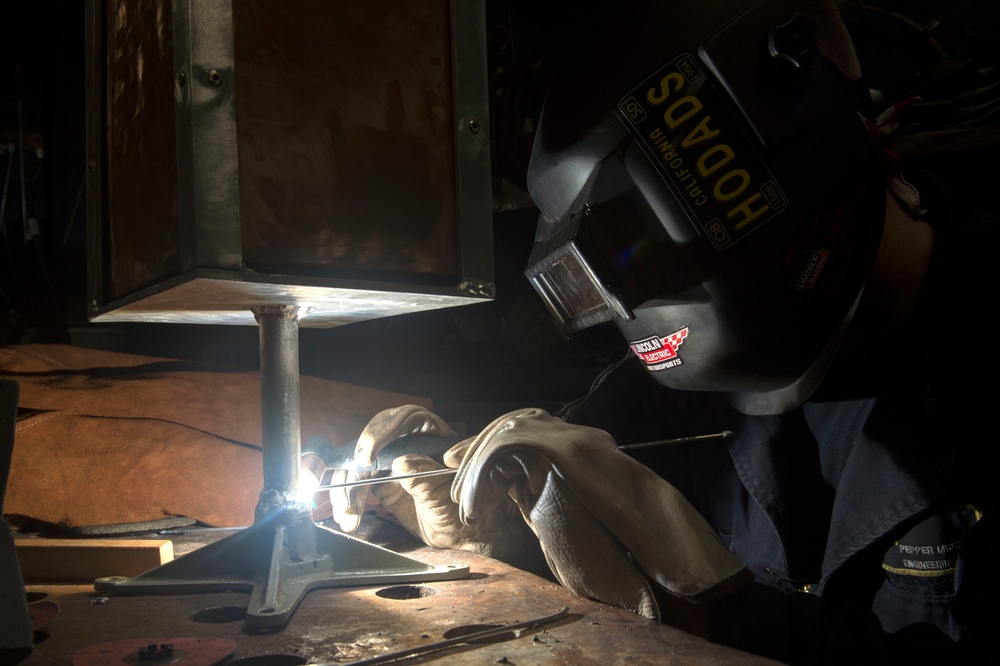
point(329, 154)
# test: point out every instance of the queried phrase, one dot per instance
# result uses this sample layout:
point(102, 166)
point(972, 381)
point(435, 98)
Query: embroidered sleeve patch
point(930, 549)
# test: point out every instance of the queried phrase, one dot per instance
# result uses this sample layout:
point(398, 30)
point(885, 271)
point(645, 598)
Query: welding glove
point(609, 527)
point(424, 507)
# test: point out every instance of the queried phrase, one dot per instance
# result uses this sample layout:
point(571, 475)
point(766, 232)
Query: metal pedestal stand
point(284, 554)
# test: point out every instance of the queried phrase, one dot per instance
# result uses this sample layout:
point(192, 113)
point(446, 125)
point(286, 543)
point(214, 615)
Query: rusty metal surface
point(346, 134)
point(348, 624)
point(141, 227)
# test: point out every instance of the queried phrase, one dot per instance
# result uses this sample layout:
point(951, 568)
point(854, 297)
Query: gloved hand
point(423, 506)
point(609, 527)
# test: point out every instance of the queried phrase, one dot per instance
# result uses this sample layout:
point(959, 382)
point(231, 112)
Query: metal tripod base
point(280, 558)
point(284, 554)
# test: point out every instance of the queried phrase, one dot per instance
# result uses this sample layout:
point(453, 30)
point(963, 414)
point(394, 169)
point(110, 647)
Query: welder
point(711, 179)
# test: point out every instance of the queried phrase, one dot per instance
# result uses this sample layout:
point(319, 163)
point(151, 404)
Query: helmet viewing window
point(572, 291)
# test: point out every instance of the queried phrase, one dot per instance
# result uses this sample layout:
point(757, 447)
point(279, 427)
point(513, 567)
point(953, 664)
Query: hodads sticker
point(704, 157)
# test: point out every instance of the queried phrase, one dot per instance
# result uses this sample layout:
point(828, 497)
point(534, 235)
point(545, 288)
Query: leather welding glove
point(609, 527)
point(349, 504)
point(424, 507)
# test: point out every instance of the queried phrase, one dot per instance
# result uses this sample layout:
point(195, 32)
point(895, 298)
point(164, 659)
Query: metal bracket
point(279, 559)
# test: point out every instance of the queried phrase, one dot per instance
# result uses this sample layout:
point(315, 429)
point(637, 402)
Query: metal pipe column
point(281, 421)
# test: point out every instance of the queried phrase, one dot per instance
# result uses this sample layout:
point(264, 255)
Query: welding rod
point(725, 434)
point(383, 479)
point(496, 633)
point(432, 447)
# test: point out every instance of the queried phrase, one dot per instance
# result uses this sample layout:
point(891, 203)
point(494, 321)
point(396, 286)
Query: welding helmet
point(706, 182)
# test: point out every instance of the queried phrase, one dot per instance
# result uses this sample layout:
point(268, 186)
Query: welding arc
point(180, 651)
point(725, 434)
point(493, 632)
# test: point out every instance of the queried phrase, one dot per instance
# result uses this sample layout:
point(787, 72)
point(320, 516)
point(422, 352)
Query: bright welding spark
point(302, 498)
point(308, 482)
point(312, 468)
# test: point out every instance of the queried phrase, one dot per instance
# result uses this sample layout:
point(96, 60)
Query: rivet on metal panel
point(474, 126)
point(181, 78)
point(215, 78)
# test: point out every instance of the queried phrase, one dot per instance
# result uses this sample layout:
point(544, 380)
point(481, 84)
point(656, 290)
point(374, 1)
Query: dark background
point(475, 361)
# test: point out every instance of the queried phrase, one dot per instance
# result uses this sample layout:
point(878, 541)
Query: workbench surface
point(343, 625)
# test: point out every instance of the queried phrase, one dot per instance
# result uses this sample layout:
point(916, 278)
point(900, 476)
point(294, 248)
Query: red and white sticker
point(812, 270)
point(660, 353)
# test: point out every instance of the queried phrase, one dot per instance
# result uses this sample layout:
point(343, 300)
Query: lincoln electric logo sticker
point(810, 274)
point(660, 353)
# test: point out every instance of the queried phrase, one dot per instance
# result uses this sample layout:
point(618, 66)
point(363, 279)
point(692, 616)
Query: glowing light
point(306, 487)
point(308, 482)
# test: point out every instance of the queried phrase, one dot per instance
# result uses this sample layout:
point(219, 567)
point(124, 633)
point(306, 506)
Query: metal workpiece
point(260, 164)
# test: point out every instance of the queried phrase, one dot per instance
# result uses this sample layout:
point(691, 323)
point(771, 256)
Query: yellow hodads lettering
point(700, 149)
point(746, 212)
point(728, 185)
point(681, 111)
point(726, 190)
point(700, 133)
point(658, 97)
point(714, 159)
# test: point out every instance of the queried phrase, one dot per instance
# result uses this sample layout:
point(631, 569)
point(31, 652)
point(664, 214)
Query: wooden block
point(84, 560)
